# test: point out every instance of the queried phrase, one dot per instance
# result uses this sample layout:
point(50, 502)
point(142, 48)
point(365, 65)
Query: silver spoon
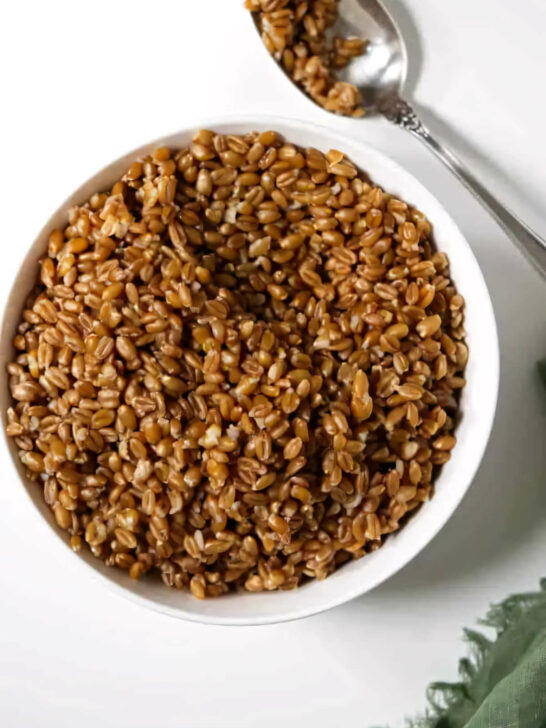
point(379, 75)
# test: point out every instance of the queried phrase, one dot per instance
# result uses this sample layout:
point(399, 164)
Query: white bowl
point(477, 404)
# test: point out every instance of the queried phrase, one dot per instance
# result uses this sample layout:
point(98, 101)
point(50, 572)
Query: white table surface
point(83, 82)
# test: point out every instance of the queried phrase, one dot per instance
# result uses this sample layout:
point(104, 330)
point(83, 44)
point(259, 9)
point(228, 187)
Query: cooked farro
point(295, 34)
point(239, 366)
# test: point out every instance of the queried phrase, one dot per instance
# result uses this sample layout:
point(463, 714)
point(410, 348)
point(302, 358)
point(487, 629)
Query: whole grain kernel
point(444, 442)
point(198, 586)
point(293, 448)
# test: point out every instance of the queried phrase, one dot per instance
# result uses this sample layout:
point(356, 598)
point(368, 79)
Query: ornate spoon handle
point(532, 245)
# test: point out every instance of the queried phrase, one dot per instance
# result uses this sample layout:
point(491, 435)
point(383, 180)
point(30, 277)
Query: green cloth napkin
point(503, 682)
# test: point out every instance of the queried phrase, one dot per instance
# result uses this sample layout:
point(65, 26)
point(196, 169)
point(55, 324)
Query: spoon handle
point(531, 244)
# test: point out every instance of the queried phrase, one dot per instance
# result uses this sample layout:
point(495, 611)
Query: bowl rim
point(337, 136)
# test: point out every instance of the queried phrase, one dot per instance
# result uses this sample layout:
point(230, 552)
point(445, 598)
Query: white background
point(82, 83)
